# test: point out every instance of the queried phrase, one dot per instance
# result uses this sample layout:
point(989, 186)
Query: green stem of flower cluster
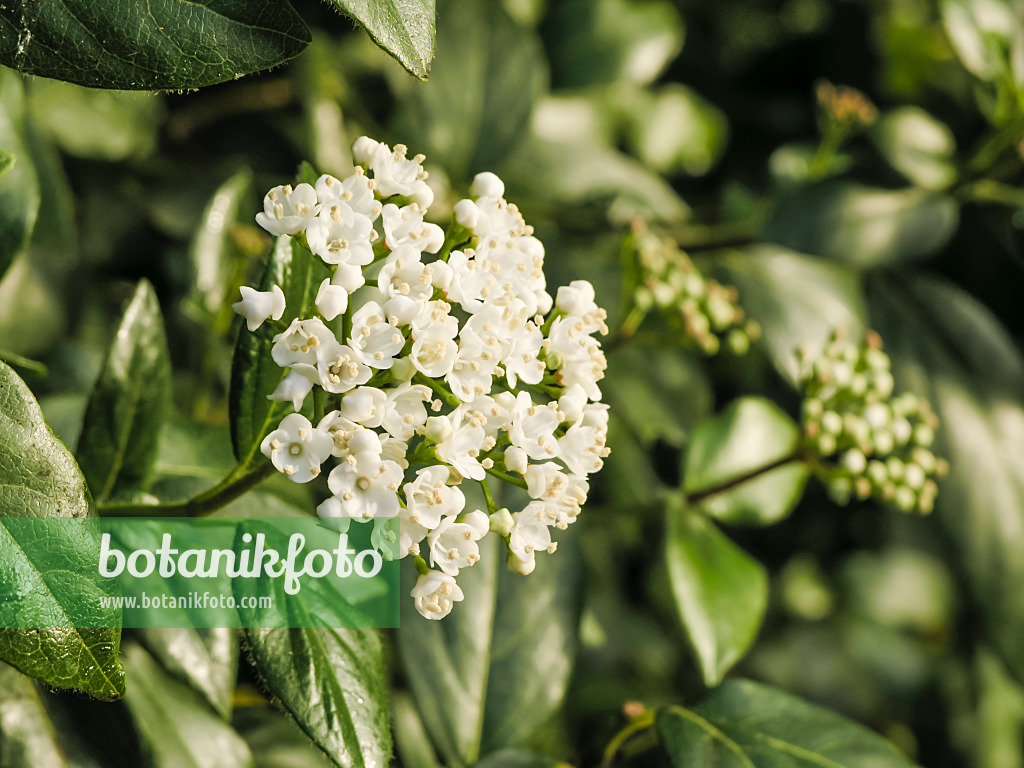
point(510, 479)
point(439, 389)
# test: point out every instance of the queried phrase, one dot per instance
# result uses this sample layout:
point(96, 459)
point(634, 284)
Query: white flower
point(340, 369)
point(516, 460)
point(356, 190)
point(405, 227)
point(363, 486)
point(403, 274)
point(296, 384)
point(296, 448)
point(366, 406)
point(434, 352)
point(428, 500)
point(339, 235)
point(404, 410)
point(530, 532)
point(298, 344)
point(582, 449)
point(473, 371)
point(461, 449)
point(466, 214)
point(373, 338)
point(287, 211)
point(533, 428)
point(393, 174)
point(453, 545)
point(571, 403)
point(487, 184)
point(331, 300)
point(348, 276)
point(341, 431)
point(435, 593)
point(545, 482)
point(577, 300)
point(257, 306)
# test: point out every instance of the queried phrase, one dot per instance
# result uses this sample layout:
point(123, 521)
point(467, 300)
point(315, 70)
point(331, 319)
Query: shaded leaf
point(720, 591)
point(123, 420)
point(275, 740)
point(19, 186)
point(403, 28)
point(205, 659)
point(518, 758)
point(918, 146)
point(212, 248)
point(6, 162)
point(982, 33)
point(27, 737)
point(412, 744)
point(110, 44)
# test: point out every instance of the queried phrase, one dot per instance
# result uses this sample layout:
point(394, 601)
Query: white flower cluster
point(866, 442)
point(436, 367)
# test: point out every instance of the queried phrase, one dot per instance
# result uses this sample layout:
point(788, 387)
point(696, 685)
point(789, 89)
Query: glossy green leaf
point(331, 681)
point(518, 758)
point(918, 146)
point(39, 478)
point(403, 28)
point(746, 725)
point(121, 430)
point(477, 685)
point(254, 374)
point(206, 659)
point(798, 300)
point(600, 42)
point(212, 249)
point(720, 591)
point(863, 226)
point(485, 80)
point(27, 737)
point(177, 729)
point(948, 348)
point(19, 186)
point(174, 44)
point(722, 470)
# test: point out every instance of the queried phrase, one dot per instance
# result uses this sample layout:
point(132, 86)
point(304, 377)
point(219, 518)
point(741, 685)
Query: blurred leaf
point(121, 430)
point(1000, 715)
point(103, 44)
point(721, 592)
point(628, 475)
point(94, 124)
point(862, 226)
point(747, 725)
point(674, 129)
point(275, 740)
point(726, 455)
point(39, 478)
point(600, 42)
point(793, 165)
point(798, 300)
point(332, 682)
point(478, 685)
point(983, 33)
point(918, 146)
point(32, 315)
point(403, 28)
point(177, 728)
point(487, 75)
point(254, 374)
point(212, 249)
point(27, 737)
point(7, 160)
point(206, 659)
point(412, 744)
point(19, 186)
point(948, 348)
point(661, 394)
point(517, 758)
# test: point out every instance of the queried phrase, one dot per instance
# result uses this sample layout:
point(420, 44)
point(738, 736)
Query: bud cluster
point(437, 359)
point(864, 441)
point(707, 310)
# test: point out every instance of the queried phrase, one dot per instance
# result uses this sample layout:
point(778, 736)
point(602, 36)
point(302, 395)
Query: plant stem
point(638, 725)
point(439, 390)
point(697, 496)
point(15, 360)
point(517, 481)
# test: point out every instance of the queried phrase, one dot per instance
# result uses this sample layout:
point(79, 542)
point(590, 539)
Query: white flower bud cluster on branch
point(706, 309)
point(440, 359)
point(864, 441)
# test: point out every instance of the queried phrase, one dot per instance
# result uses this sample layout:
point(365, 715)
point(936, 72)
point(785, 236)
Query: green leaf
point(275, 740)
point(747, 725)
point(206, 659)
point(403, 28)
point(332, 682)
point(174, 44)
point(39, 478)
point(179, 731)
point(600, 42)
point(1000, 715)
point(721, 592)
point(19, 186)
point(518, 758)
point(412, 744)
point(798, 300)
point(27, 737)
point(7, 160)
point(863, 226)
point(486, 78)
point(477, 685)
point(982, 33)
point(918, 146)
point(254, 374)
point(124, 418)
point(948, 348)
point(722, 472)
point(212, 250)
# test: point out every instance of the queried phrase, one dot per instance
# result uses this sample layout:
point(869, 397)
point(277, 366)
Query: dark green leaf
point(721, 592)
point(477, 104)
point(212, 249)
point(206, 659)
point(332, 682)
point(19, 186)
point(275, 740)
point(518, 758)
point(722, 471)
point(39, 478)
point(948, 348)
point(403, 28)
point(178, 730)
point(173, 44)
point(863, 226)
point(918, 146)
point(6, 162)
point(746, 725)
point(124, 418)
point(254, 374)
point(798, 300)
point(1000, 715)
point(27, 737)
